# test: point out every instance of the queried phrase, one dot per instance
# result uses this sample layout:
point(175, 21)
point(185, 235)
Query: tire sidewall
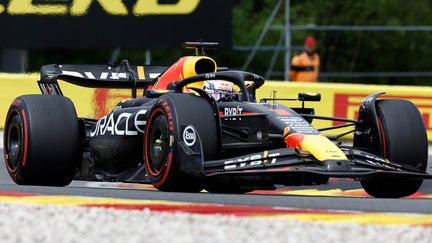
point(403, 140)
point(158, 179)
point(17, 109)
point(182, 110)
point(51, 140)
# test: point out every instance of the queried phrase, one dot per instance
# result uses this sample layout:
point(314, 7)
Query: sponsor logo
point(109, 125)
point(110, 7)
point(189, 136)
point(102, 75)
point(293, 140)
point(168, 114)
point(251, 161)
point(221, 91)
point(233, 111)
point(210, 75)
point(90, 75)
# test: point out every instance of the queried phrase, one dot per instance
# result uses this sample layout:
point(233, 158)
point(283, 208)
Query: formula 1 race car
point(184, 134)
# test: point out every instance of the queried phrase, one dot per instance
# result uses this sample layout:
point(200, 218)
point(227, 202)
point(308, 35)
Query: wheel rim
point(157, 145)
point(14, 143)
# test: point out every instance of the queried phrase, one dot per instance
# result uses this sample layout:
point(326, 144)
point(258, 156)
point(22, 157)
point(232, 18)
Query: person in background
point(305, 66)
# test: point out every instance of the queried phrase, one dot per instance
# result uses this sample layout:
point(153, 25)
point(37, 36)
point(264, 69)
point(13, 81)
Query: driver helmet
point(219, 89)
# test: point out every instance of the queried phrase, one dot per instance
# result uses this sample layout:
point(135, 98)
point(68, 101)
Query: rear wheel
point(404, 141)
point(41, 140)
point(171, 119)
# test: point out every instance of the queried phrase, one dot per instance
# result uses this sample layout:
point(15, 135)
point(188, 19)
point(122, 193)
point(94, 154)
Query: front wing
point(286, 161)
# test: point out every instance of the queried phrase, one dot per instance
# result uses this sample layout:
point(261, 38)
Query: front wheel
point(404, 141)
point(175, 119)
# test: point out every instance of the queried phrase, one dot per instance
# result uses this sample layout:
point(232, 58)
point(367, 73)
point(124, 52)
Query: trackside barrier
point(341, 100)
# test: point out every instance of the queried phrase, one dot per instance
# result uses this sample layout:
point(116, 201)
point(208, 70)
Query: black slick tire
point(404, 141)
point(41, 140)
point(163, 133)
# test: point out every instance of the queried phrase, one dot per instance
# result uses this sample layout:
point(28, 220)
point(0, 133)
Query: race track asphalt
point(368, 204)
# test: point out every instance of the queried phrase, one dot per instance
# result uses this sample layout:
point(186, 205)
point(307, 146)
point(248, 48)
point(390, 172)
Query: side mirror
point(309, 96)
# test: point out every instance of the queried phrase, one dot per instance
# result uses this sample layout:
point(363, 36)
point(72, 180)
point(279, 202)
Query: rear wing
point(124, 76)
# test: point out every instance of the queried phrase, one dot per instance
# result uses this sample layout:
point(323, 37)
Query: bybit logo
point(111, 7)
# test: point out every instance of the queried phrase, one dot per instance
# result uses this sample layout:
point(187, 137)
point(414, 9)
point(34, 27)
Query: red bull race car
point(197, 126)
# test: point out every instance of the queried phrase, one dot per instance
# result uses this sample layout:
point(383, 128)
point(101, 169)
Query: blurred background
point(384, 44)
point(368, 41)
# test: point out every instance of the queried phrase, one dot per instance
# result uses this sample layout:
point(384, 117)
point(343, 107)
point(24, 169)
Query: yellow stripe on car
point(322, 148)
point(140, 70)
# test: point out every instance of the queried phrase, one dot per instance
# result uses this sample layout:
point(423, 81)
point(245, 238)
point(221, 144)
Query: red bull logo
point(293, 140)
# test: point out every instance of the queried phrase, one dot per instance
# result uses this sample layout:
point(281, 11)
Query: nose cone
point(318, 145)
